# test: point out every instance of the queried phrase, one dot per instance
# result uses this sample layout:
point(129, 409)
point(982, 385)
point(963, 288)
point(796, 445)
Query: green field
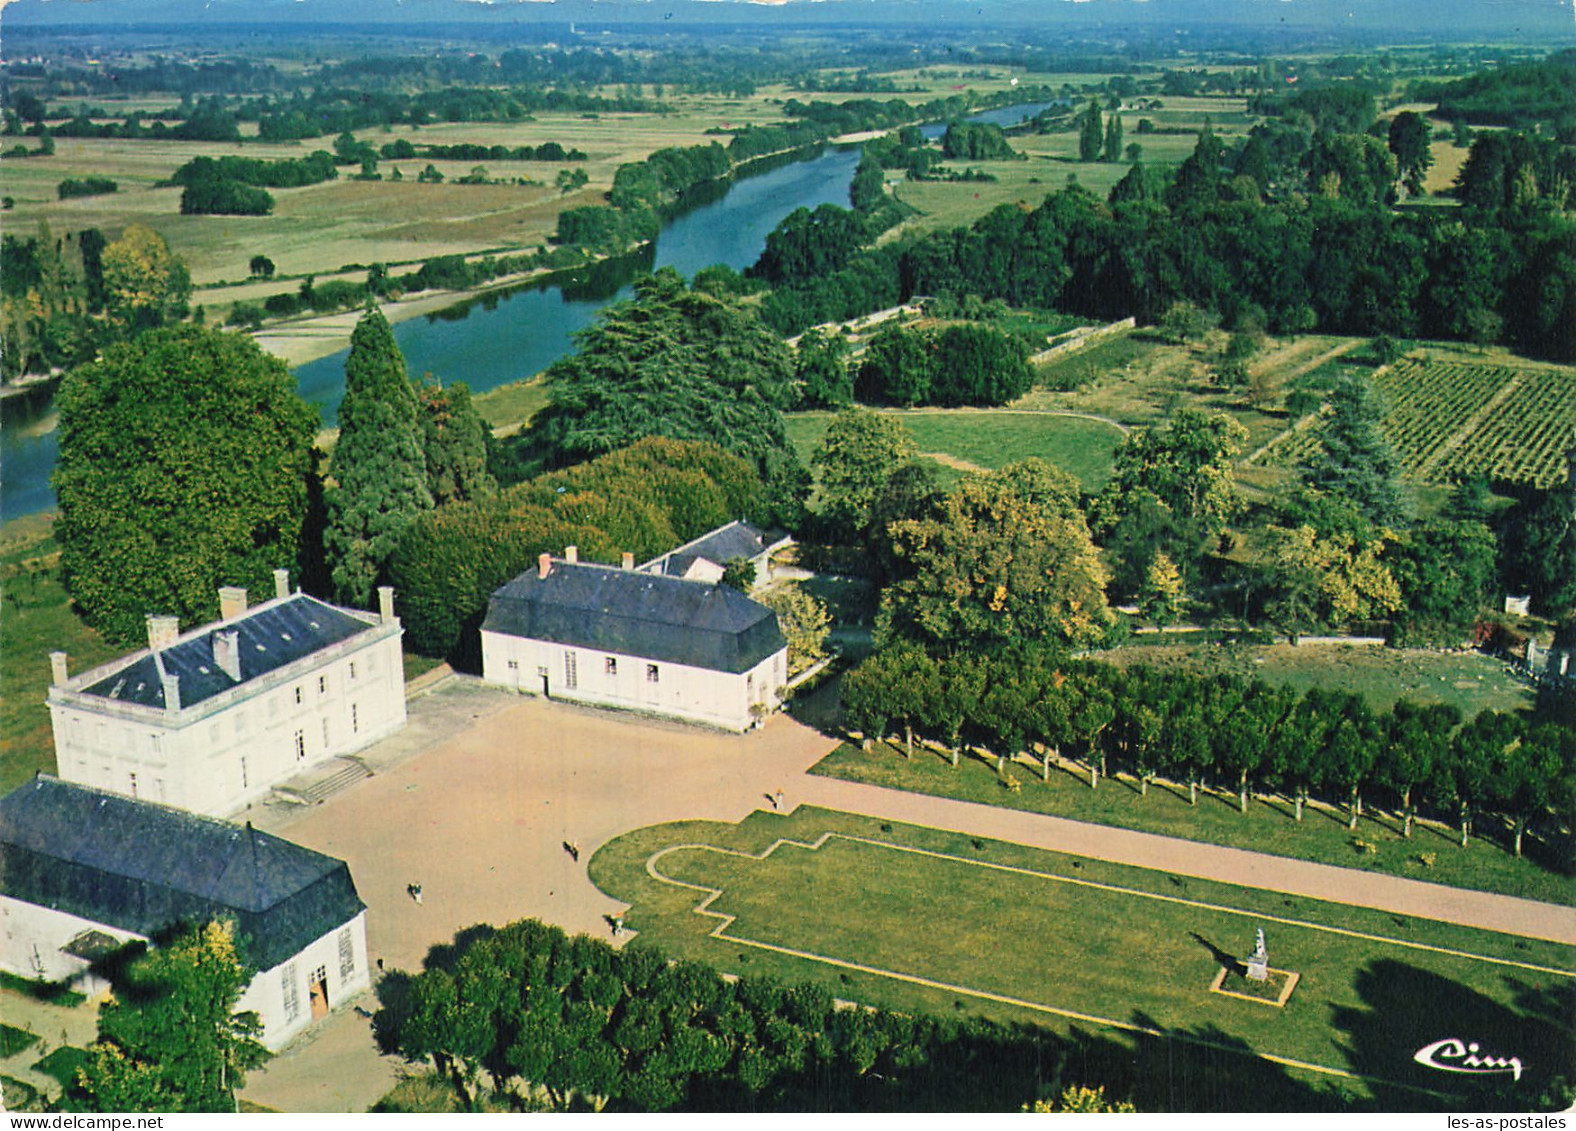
point(36, 618)
point(983, 439)
point(914, 918)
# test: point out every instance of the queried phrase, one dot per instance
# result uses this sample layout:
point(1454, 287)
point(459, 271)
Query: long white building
point(621, 637)
point(83, 873)
point(211, 719)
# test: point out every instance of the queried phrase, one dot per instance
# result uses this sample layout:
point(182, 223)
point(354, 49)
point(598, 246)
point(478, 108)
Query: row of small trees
point(1198, 730)
point(552, 1020)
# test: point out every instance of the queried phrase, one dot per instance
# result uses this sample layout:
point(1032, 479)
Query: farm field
point(1469, 681)
point(914, 918)
point(983, 439)
point(1451, 413)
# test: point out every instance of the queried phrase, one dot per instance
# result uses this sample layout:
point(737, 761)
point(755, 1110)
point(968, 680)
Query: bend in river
point(513, 334)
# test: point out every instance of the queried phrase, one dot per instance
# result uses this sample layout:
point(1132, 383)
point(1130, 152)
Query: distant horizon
point(1551, 22)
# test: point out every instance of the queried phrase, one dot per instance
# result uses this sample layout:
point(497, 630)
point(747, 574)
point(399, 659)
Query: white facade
point(316, 981)
point(609, 679)
point(288, 998)
point(31, 938)
point(221, 754)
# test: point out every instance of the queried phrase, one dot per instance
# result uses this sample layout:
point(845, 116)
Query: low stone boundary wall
point(1082, 338)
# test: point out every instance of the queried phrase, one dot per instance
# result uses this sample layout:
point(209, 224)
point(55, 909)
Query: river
point(508, 335)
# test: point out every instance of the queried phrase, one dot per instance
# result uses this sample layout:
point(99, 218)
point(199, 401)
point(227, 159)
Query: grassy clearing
point(915, 918)
point(37, 619)
point(976, 439)
point(510, 407)
point(1470, 681)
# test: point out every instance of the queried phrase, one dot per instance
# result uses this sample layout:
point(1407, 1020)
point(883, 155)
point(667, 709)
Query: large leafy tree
point(184, 464)
point(379, 466)
point(145, 282)
point(858, 455)
point(670, 362)
point(170, 1039)
point(1006, 557)
point(1408, 140)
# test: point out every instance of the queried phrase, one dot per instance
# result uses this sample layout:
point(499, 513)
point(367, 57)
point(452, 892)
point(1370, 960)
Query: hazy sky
point(1555, 18)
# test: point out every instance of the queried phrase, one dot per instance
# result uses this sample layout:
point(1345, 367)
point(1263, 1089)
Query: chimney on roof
point(172, 693)
point(571, 554)
point(544, 565)
point(628, 560)
point(385, 604)
point(232, 601)
point(227, 653)
point(57, 668)
point(162, 631)
point(281, 583)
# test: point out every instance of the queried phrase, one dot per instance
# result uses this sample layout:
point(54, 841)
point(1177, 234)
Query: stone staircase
point(322, 782)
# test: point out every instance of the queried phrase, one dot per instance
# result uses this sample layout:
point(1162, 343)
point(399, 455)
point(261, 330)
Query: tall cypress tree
point(1092, 136)
point(379, 467)
point(1113, 137)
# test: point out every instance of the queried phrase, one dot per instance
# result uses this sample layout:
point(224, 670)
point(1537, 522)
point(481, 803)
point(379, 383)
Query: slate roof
point(144, 867)
point(271, 637)
point(632, 613)
point(736, 540)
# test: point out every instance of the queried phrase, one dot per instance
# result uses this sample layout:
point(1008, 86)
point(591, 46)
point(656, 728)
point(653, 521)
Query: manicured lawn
point(14, 1040)
point(52, 992)
point(510, 407)
point(981, 439)
point(62, 1064)
point(1433, 852)
point(914, 918)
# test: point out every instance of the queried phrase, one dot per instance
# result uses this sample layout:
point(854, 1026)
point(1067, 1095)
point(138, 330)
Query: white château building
point(211, 719)
point(84, 872)
point(622, 637)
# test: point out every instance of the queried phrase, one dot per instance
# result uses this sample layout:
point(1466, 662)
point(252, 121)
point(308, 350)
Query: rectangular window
point(347, 956)
point(514, 665)
point(571, 677)
point(318, 975)
point(133, 778)
point(298, 696)
point(292, 992)
point(355, 720)
point(300, 745)
point(322, 684)
point(610, 666)
point(352, 669)
point(245, 780)
point(652, 675)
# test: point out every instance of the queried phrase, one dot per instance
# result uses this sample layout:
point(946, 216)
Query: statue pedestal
point(1258, 967)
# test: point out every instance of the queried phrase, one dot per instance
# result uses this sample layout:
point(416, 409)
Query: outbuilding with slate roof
point(621, 637)
point(84, 872)
point(705, 558)
point(211, 719)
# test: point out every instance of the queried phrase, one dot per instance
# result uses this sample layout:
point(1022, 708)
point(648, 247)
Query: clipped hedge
point(643, 499)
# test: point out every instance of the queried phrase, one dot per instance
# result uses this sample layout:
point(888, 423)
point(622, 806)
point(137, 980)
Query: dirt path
point(1204, 861)
point(479, 796)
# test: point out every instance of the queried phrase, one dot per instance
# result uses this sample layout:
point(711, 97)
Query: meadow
point(912, 918)
point(961, 440)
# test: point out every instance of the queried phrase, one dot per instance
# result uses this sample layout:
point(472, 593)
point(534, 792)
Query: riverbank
point(297, 341)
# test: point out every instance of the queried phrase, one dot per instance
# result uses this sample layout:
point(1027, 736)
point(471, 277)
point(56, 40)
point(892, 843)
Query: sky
point(1556, 18)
